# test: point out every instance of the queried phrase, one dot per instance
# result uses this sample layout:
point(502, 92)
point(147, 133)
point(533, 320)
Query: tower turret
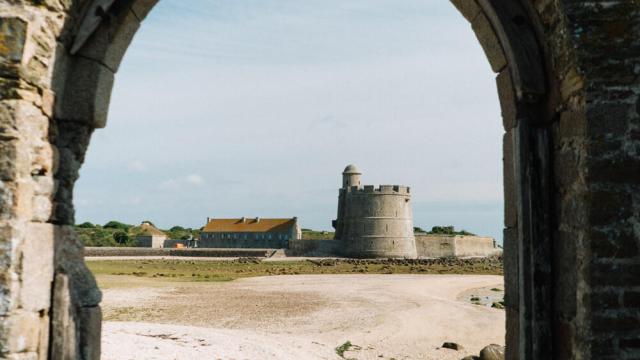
point(351, 176)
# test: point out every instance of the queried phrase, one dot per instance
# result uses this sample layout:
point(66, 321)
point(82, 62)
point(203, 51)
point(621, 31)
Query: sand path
point(300, 317)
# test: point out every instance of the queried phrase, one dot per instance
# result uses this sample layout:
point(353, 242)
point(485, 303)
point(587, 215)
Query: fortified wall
point(433, 246)
point(374, 222)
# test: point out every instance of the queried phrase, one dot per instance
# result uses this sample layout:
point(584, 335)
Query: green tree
point(86, 225)
point(116, 225)
point(121, 237)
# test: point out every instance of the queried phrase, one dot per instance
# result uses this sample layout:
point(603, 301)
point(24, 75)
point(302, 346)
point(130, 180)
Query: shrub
point(86, 225)
point(121, 237)
point(448, 230)
point(116, 225)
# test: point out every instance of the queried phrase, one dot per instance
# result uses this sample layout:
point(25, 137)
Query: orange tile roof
point(249, 225)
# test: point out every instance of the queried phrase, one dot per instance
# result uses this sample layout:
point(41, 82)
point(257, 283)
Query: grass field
point(189, 270)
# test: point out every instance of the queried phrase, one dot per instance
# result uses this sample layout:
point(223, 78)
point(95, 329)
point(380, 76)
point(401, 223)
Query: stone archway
point(567, 82)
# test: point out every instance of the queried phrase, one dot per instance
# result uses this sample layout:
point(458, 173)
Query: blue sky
point(253, 108)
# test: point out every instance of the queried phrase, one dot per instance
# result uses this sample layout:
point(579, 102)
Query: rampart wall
point(313, 247)
point(458, 246)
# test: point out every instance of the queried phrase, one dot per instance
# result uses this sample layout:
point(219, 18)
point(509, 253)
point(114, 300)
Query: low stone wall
point(476, 246)
point(435, 246)
point(242, 243)
point(429, 246)
point(130, 251)
point(312, 248)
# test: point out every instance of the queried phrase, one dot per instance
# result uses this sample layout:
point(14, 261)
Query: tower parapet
point(382, 189)
point(375, 222)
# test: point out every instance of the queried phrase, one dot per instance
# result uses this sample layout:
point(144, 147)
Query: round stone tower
point(374, 222)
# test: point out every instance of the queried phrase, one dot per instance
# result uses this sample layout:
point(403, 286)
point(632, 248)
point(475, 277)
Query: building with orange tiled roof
point(249, 233)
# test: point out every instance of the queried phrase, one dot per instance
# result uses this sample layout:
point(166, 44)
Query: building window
point(269, 236)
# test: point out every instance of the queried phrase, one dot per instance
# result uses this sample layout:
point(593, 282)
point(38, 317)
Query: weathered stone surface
point(43, 342)
point(69, 259)
point(509, 173)
point(492, 352)
point(24, 332)
point(63, 336)
point(511, 276)
point(468, 8)
point(109, 42)
point(490, 43)
point(507, 97)
point(90, 330)
point(87, 92)
point(512, 339)
point(23, 356)
point(13, 34)
point(142, 8)
point(37, 267)
point(42, 208)
point(9, 162)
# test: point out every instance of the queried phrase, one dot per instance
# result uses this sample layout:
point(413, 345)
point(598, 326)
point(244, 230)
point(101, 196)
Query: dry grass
point(215, 271)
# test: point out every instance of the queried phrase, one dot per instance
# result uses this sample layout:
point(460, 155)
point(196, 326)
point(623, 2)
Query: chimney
point(243, 219)
point(207, 219)
point(257, 219)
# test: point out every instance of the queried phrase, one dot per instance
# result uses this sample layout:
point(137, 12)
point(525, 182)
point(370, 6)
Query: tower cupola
point(351, 176)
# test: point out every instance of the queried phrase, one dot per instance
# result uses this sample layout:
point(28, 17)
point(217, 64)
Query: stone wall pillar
point(47, 295)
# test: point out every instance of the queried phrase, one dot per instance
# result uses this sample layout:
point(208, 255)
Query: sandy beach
point(299, 317)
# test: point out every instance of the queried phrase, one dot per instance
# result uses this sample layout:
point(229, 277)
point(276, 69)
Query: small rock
point(497, 305)
point(492, 352)
point(452, 346)
point(470, 357)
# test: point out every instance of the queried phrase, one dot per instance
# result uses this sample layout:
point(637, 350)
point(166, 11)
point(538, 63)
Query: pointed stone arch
point(570, 113)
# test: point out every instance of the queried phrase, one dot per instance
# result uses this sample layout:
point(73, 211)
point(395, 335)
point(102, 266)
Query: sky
point(253, 108)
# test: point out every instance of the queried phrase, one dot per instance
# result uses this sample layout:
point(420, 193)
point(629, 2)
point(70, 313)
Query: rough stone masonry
point(568, 86)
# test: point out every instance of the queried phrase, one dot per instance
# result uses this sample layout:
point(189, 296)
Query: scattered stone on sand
point(497, 305)
point(470, 357)
point(453, 346)
point(249, 260)
point(492, 352)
